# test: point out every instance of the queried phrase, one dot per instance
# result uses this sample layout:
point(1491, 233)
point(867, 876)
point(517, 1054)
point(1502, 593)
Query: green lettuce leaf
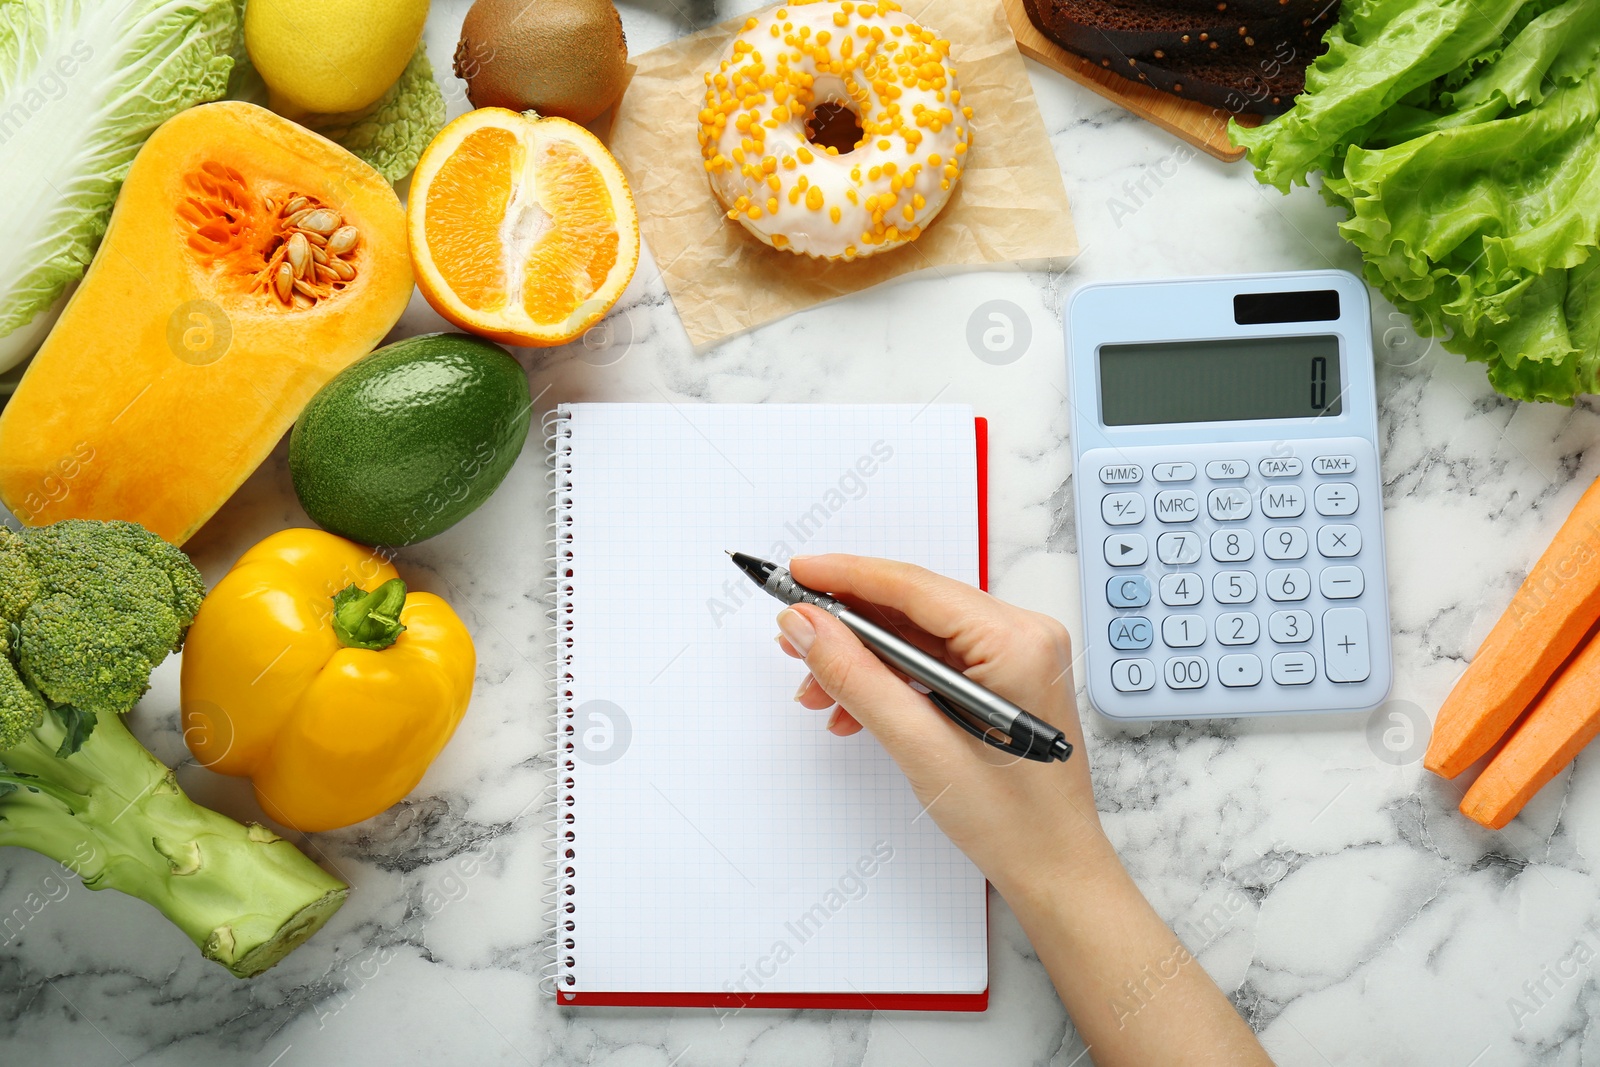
point(390, 135)
point(1473, 193)
point(82, 84)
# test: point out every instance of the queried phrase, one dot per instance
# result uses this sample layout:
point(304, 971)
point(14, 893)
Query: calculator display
point(1220, 381)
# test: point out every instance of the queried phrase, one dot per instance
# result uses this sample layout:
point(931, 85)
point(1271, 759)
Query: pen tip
point(730, 554)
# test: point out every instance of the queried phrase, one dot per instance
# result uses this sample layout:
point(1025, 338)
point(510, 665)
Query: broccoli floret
point(87, 610)
point(110, 601)
point(21, 709)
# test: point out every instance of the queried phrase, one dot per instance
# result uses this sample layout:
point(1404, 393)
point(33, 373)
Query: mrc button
point(1121, 473)
point(1334, 464)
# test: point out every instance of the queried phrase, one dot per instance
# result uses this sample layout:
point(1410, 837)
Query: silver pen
point(975, 709)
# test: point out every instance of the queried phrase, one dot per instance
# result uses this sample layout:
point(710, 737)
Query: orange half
point(523, 228)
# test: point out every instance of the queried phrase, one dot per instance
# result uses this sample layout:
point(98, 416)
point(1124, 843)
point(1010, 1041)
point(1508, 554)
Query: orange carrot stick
point(1556, 606)
point(1564, 719)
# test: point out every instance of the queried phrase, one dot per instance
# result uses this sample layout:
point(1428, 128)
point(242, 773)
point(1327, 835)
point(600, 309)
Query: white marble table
point(1328, 885)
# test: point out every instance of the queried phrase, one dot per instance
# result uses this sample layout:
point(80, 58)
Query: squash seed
point(344, 270)
point(299, 253)
point(318, 254)
point(295, 206)
point(343, 240)
point(283, 281)
point(322, 220)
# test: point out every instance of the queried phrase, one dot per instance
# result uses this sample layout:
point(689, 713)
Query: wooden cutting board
point(1204, 127)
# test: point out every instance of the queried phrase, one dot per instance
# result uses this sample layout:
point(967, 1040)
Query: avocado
point(410, 440)
point(567, 58)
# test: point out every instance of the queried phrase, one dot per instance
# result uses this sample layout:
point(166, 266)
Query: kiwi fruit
point(566, 58)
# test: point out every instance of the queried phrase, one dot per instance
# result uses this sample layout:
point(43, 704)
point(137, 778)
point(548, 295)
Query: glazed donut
point(756, 128)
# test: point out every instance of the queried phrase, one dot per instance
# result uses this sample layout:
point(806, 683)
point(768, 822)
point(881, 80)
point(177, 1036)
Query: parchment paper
point(1010, 205)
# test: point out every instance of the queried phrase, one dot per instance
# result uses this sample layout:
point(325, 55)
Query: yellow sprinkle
point(772, 205)
point(833, 213)
point(805, 154)
point(794, 194)
point(769, 164)
point(754, 213)
point(774, 183)
point(850, 194)
point(934, 160)
point(814, 199)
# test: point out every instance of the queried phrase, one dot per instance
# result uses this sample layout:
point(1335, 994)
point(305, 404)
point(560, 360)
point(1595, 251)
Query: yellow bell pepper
point(313, 672)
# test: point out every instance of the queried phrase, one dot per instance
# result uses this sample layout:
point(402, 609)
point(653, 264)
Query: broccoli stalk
point(87, 609)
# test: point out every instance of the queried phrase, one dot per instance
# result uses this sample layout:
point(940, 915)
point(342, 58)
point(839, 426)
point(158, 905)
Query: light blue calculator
point(1229, 501)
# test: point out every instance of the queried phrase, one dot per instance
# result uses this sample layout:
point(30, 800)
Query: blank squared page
point(723, 841)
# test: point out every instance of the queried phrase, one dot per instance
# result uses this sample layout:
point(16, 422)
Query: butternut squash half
point(246, 263)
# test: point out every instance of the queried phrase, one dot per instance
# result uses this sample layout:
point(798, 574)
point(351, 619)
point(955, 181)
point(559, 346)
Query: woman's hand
point(1020, 821)
point(1134, 992)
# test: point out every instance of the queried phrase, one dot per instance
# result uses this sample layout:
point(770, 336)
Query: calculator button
point(1178, 549)
point(1284, 542)
point(1232, 546)
point(1133, 675)
point(1186, 672)
point(1237, 628)
point(1293, 668)
point(1181, 590)
point(1131, 633)
point(1233, 587)
point(1289, 467)
point(1122, 509)
point(1344, 645)
point(1121, 474)
point(1288, 583)
point(1183, 631)
point(1289, 627)
point(1338, 541)
point(1226, 470)
point(1239, 670)
point(1177, 505)
point(1128, 591)
point(1334, 464)
point(1127, 550)
point(1230, 504)
point(1283, 502)
point(1336, 498)
point(1342, 583)
point(1173, 472)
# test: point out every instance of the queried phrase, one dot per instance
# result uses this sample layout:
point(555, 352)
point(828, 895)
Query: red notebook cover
point(835, 1001)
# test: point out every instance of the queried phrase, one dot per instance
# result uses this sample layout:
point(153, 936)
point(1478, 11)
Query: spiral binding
point(559, 898)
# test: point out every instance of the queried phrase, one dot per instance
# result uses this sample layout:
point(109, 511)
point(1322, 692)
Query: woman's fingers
point(842, 724)
point(941, 606)
point(846, 671)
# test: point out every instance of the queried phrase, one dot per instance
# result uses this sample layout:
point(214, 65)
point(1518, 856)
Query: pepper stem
point(369, 620)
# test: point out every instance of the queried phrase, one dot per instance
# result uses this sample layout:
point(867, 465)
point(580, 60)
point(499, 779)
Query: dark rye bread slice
point(1160, 29)
point(1249, 73)
point(1235, 83)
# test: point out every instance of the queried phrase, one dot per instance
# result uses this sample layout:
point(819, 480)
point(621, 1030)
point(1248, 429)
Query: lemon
point(327, 57)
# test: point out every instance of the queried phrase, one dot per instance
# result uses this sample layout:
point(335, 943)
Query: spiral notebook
point(714, 846)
